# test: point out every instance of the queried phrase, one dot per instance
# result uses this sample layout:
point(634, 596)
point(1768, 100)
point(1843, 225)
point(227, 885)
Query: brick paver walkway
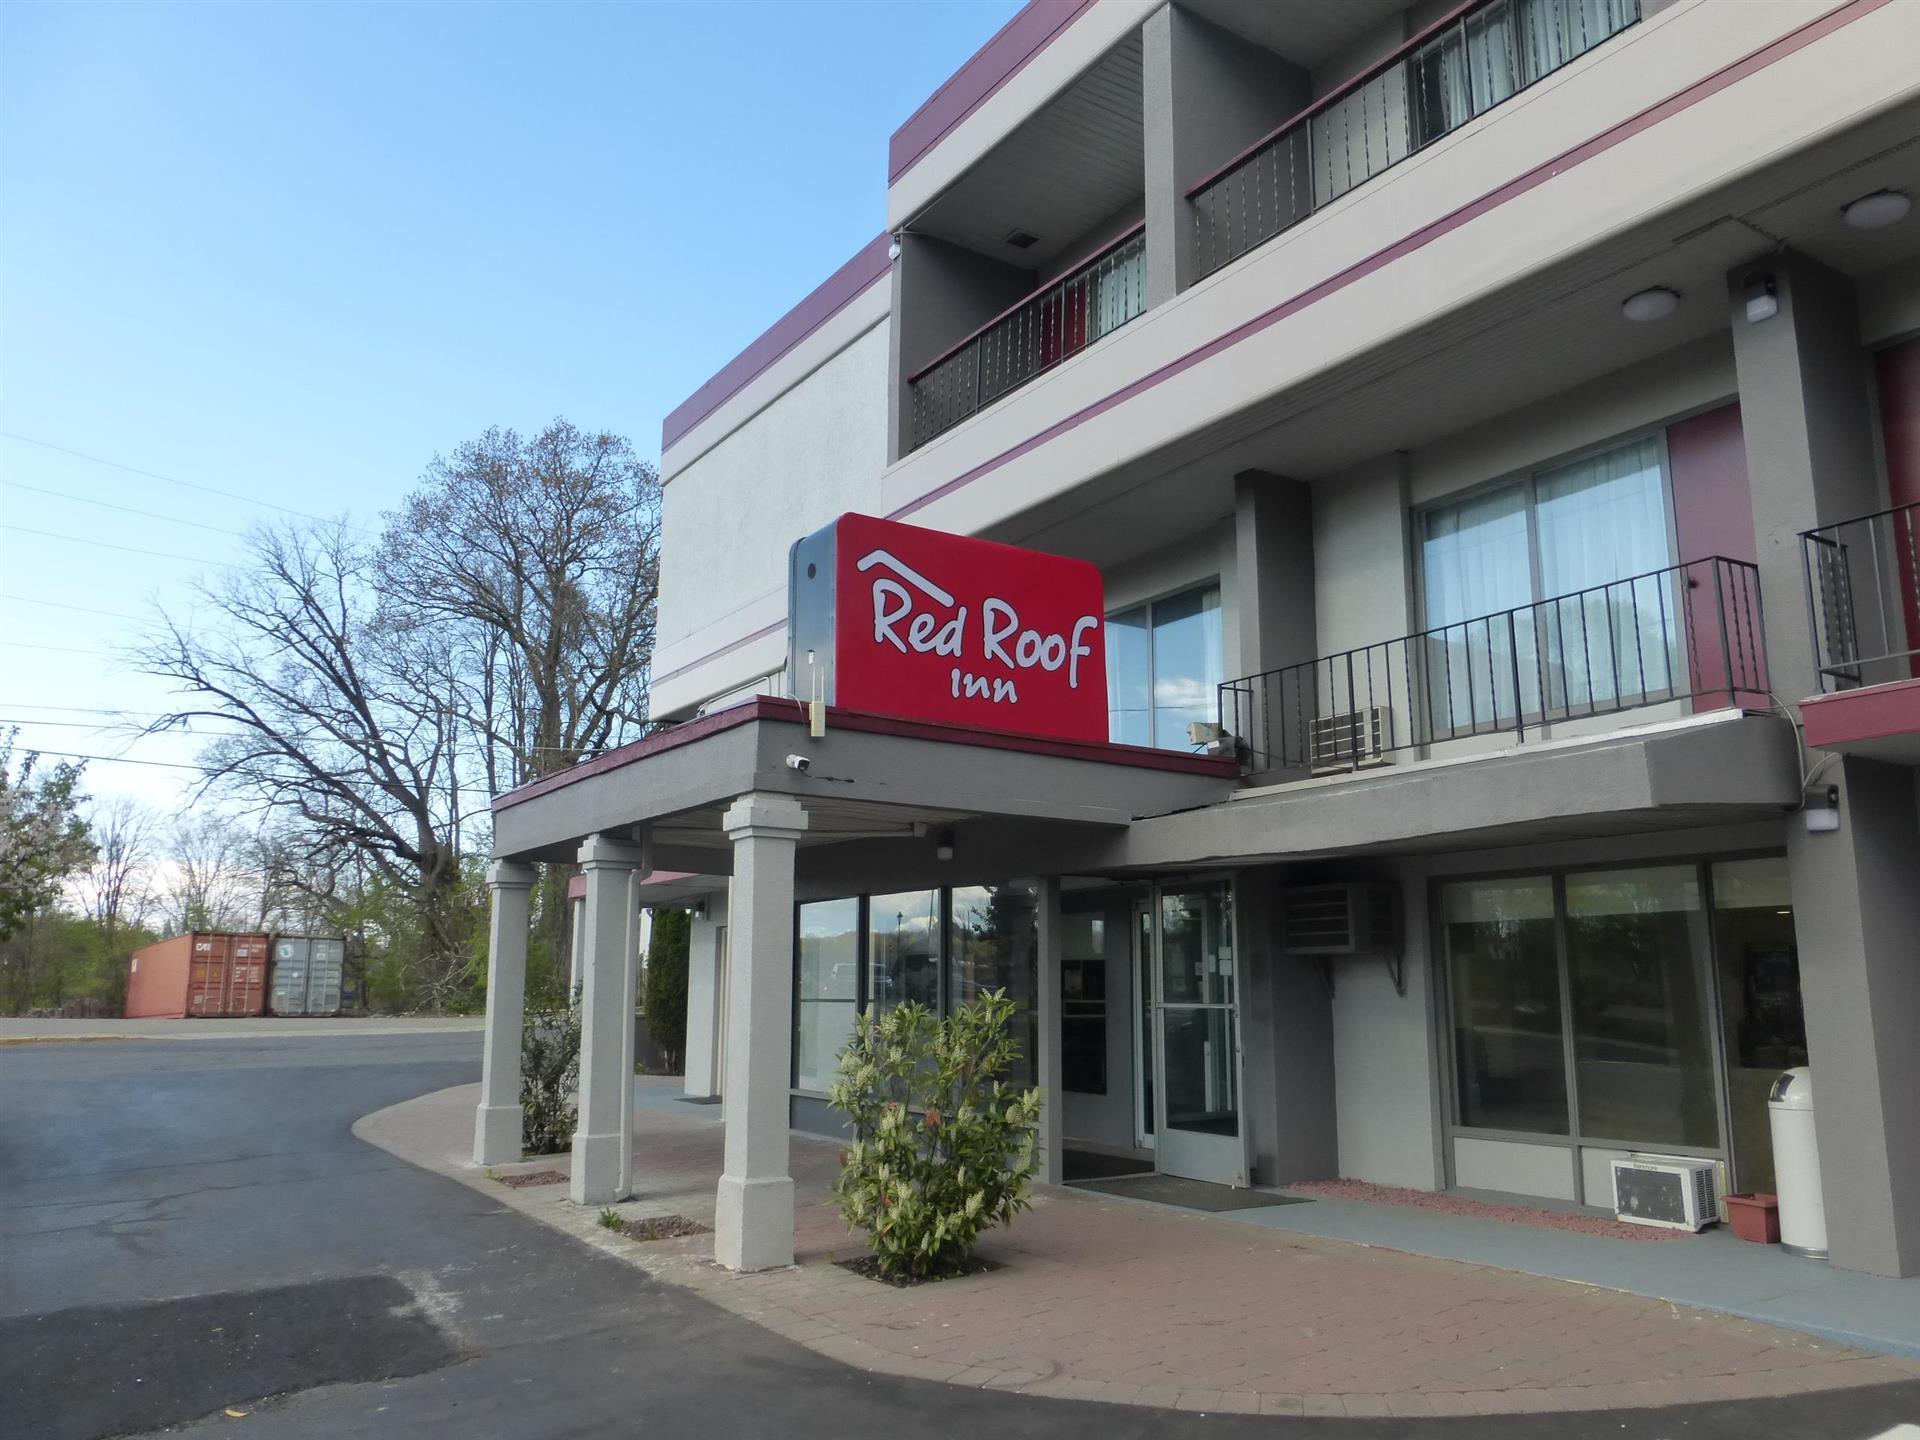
point(1110, 1300)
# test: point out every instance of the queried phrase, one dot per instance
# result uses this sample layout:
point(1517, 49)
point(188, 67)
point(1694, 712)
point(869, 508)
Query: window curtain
point(1607, 635)
point(1552, 33)
point(1477, 566)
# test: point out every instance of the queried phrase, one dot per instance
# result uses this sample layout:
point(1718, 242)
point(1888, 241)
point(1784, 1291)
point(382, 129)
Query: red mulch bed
point(533, 1177)
point(1567, 1220)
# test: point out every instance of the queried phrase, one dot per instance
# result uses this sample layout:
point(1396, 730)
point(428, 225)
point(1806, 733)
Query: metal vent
point(1358, 918)
point(1348, 740)
point(1022, 240)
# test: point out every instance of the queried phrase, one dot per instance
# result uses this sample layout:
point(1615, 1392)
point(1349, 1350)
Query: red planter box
point(1755, 1218)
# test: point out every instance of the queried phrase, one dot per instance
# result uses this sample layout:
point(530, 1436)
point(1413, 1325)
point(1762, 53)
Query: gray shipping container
point(326, 968)
point(292, 955)
point(307, 975)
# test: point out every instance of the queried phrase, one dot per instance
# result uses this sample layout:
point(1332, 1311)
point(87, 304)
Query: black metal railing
point(1688, 632)
point(1863, 598)
point(1037, 334)
point(1457, 69)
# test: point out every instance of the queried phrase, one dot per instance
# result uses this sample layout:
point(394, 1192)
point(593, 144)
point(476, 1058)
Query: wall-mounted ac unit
point(1671, 1193)
point(1348, 739)
point(1356, 918)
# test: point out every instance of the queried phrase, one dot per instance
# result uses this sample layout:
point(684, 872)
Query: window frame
point(1529, 476)
point(1212, 582)
point(1574, 1141)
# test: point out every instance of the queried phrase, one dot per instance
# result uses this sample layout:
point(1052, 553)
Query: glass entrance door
point(1196, 1029)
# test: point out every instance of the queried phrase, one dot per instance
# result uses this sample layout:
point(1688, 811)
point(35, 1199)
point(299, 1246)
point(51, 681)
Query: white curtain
point(1609, 632)
point(1477, 565)
point(1553, 32)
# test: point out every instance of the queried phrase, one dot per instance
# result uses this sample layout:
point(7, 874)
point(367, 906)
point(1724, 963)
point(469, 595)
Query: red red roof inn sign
point(895, 620)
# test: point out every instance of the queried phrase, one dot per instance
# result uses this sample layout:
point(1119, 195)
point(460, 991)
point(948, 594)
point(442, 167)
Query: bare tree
point(337, 721)
point(116, 892)
point(208, 885)
point(545, 554)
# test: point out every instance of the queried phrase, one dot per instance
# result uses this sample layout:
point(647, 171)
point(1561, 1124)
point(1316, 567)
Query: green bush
point(943, 1147)
point(665, 1001)
point(549, 1078)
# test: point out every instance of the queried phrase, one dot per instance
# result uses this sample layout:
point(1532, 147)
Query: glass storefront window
point(995, 946)
point(903, 950)
point(828, 992)
point(1764, 1027)
point(1083, 999)
point(1642, 1056)
point(1503, 980)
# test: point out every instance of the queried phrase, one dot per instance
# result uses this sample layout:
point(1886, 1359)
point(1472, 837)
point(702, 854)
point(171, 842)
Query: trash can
point(1796, 1165)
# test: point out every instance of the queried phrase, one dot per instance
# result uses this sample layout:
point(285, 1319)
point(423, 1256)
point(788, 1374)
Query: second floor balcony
point(1863, 598)
point(1049, 326)
point(1687, 637)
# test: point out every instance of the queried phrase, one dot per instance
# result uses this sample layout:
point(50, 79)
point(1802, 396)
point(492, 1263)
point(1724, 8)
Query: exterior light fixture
point(1647, 305)
point(1824, 818)
point(893, 247)
point(1871, 212)
point(1763, 299)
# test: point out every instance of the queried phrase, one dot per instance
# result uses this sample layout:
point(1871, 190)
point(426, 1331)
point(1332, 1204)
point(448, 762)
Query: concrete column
point(1206, 96)
point(1046, 1070)
point(606, 1035)
point(632, 1003)
point(576, 952)
point(1856, 914)
point(1273, 570)
point(753, 1211)
point(1806, 414)
point(702, 1078)
point(496, 1127)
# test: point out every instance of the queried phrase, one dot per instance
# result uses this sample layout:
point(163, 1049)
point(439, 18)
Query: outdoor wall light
point(1871, 212)
point(1822, 819)
point(1763, 300)
point(1654, 304)
point(893, 247)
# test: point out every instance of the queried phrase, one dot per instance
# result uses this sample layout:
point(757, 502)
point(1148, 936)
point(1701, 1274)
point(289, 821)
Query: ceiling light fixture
point(1654, 304)
point(1870, 212)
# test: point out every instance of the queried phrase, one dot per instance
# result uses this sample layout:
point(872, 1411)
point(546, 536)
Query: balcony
point(1863, 598)
point(1686, 635)
point(1049, 326)
point(1453, 71)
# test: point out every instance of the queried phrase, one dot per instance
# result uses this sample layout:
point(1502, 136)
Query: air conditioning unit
point(1674, 1194)
point(1349, 739)
point(1356, 918)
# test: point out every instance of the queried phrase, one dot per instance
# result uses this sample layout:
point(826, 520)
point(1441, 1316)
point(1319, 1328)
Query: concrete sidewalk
point(1119, 1301)
point(18, 1031)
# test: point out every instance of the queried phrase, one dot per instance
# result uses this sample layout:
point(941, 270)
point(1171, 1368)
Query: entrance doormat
point(1192, 1194)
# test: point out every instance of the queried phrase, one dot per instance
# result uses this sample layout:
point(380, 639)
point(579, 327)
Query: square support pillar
point(629, 1040)
point(753, 1211)
point(606, 1095)
point(1807, 418)
point(496, 1126)
point(1051, 1156)
point(577, 949)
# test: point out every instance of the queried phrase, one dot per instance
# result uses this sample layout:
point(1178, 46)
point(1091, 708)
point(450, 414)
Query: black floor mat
point(1091, 1165)
point(1191, 1194)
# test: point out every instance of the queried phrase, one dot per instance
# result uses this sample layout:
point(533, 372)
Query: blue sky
point(292, 251)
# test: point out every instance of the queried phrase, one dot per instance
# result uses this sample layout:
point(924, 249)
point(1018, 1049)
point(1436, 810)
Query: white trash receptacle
point(1796, 1165)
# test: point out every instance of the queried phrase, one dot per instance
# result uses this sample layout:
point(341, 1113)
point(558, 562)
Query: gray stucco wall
point(1287, 1043)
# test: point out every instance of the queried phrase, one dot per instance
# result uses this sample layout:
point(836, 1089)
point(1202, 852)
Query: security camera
point(800, 763)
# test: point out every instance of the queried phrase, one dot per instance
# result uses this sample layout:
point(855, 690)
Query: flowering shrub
point(549, 1078)
point(943, 1147)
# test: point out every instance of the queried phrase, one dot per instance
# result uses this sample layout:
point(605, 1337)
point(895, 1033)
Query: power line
point(126, 509)
point(118, 759)
point(82, 609)
point(170, 480)
point(78, 710)
point(63, 649)
point(102, 725)
point(107, 545)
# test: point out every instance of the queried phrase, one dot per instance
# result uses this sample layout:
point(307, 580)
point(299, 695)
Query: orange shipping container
point(204, 973)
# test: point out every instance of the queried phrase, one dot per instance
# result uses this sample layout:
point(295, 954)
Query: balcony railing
point(1863, 598)
point(1688, 632)
point(1456, 69)
point(1037, 334)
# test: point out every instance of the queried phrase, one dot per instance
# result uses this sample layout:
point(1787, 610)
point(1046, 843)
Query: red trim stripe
point(1419, 239)
point(791, 712)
